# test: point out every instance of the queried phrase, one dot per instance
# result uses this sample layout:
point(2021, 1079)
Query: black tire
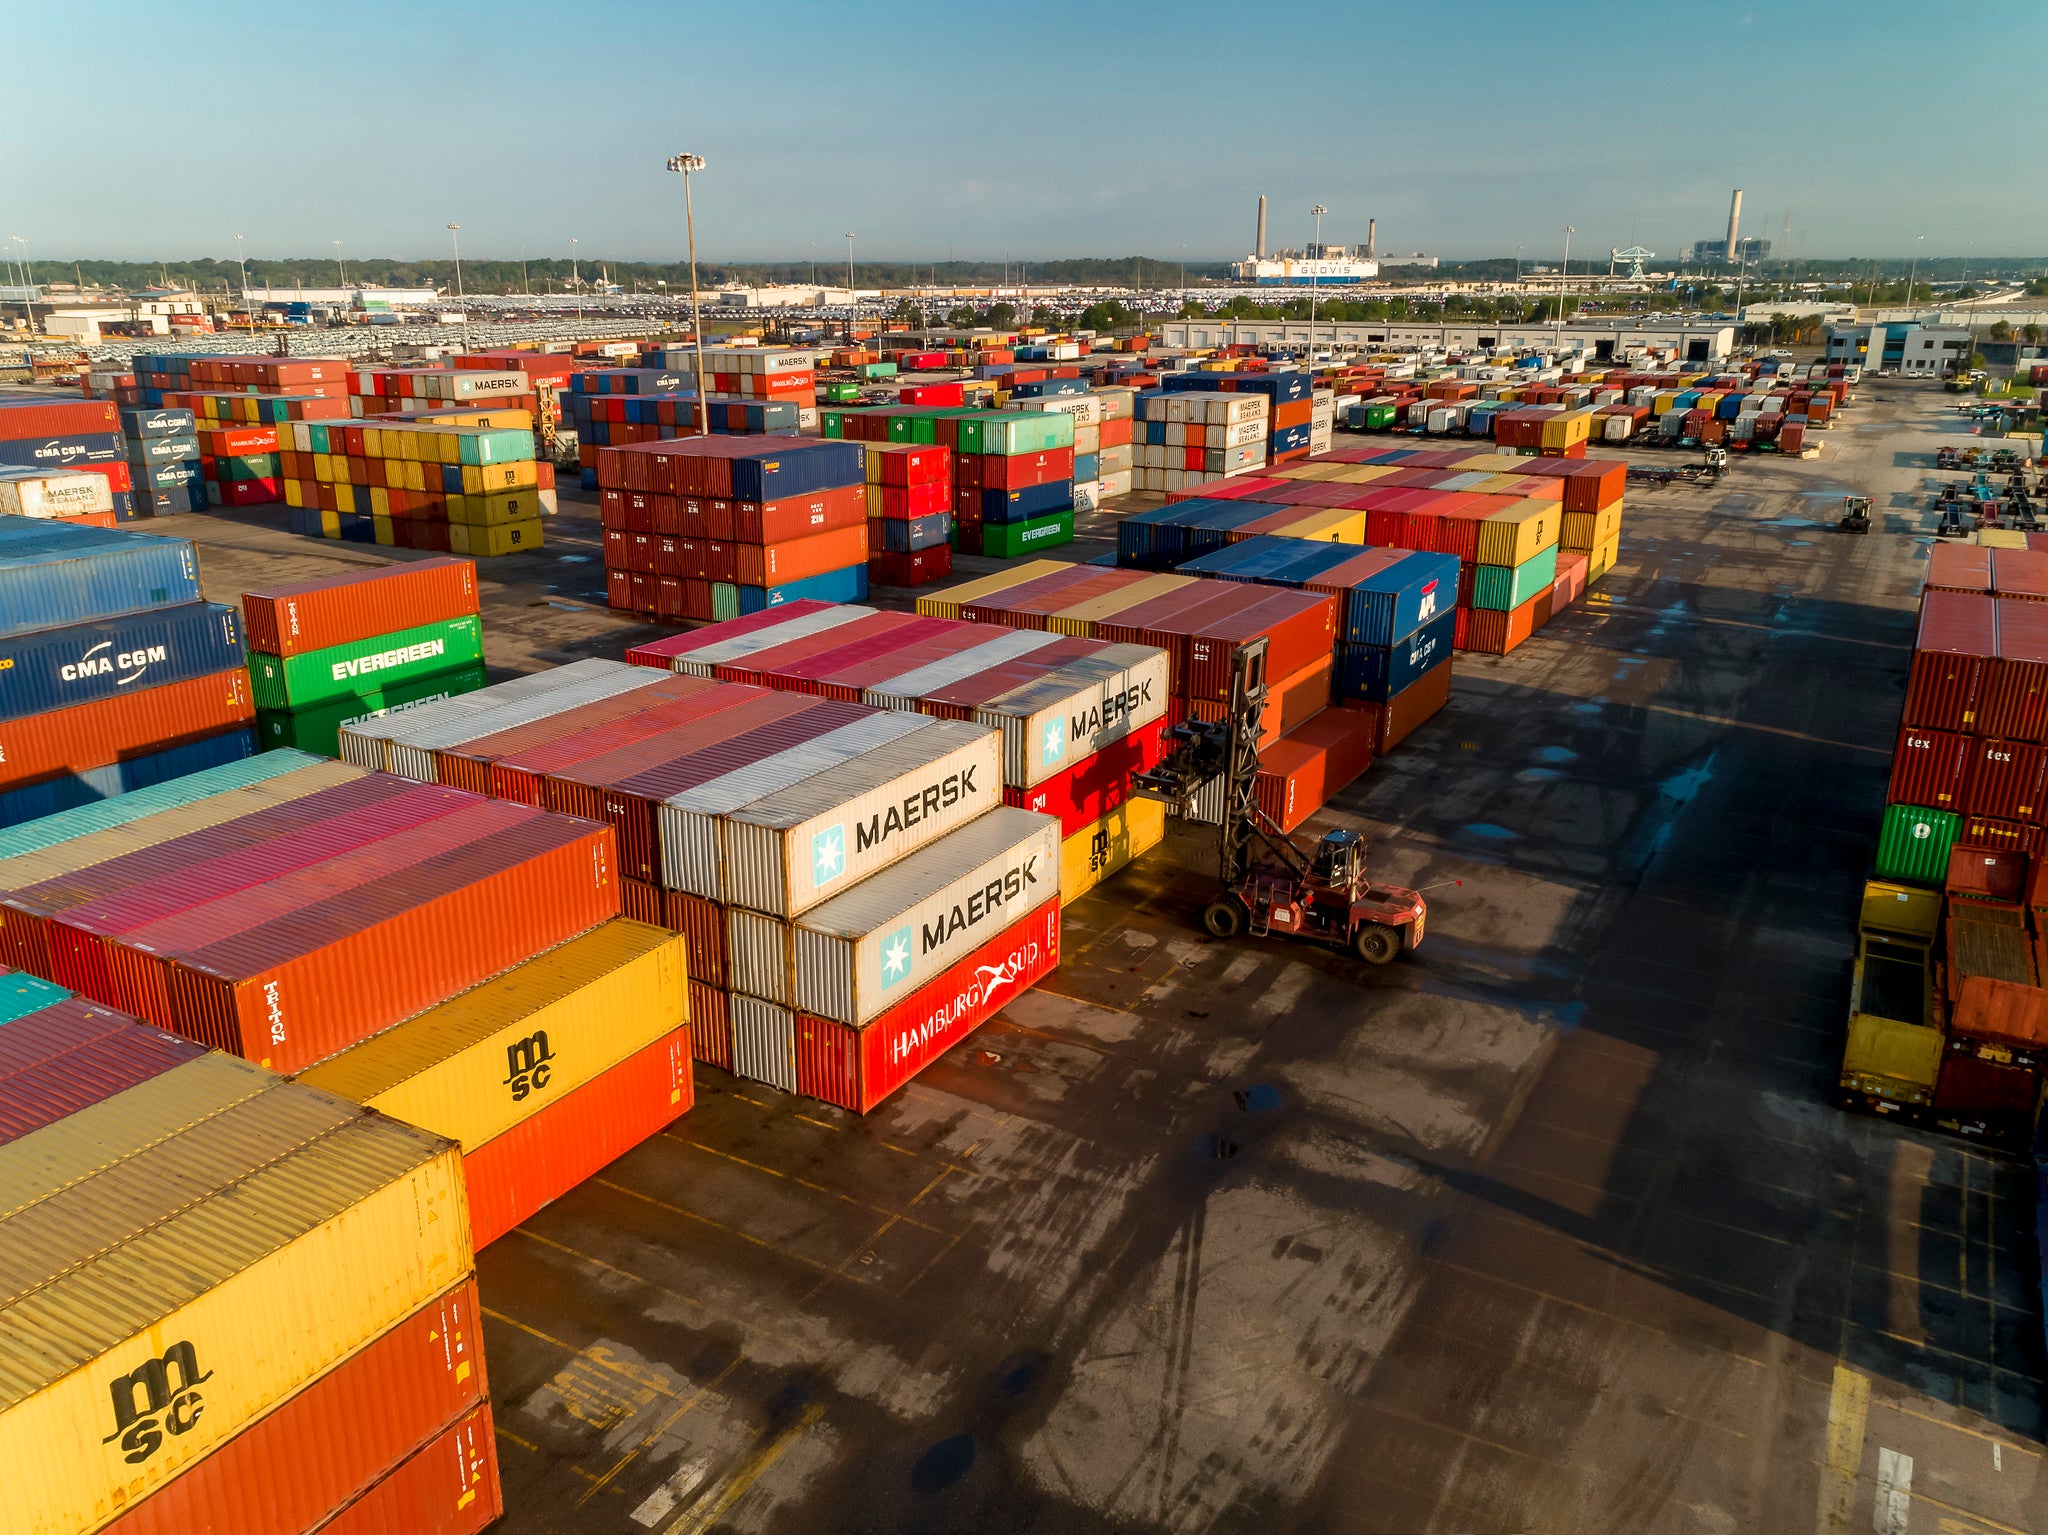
point(1223, 919)
point(1376, 945)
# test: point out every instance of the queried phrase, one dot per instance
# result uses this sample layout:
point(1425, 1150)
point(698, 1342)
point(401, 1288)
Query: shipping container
point(1957, 638)
point(318, 729)
point(72, 1057)
point(363, 668)
point(2014, 695)
point(406, 743)
point(81, 663)
point(1103, 849)
point(701, 651)
point(358, 605)
point(1075, 710)
point(105, 730)
point(53, 574)
point(448, 1488)
point(1913, 844)
point(1928, 768)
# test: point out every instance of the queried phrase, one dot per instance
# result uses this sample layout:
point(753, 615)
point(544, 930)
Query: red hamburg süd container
point(1097, 784)
point(73, 1054)
point(2015, 691)
point(110, 730)
point(2003, 779)
point(1300, 629)
point(339, 610)
point(1957, 639)
point(857, 1068)
point(711, 1025)
point(518, 1172)
point(448, 1488)
point(336, 1438)
point(300, 988)
point(1928, 768)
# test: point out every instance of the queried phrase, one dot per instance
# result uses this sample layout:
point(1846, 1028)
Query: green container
point(832, 423)
point(841, 394)
point(318, 729)
point(248, 466)
point(1377, 416)
point(1007, 540)
point(22, 994)
point(367, 669)
point(725, 600)
point(1914, 842)
point(1505, 589)
point(878, 370)
point(104, 815)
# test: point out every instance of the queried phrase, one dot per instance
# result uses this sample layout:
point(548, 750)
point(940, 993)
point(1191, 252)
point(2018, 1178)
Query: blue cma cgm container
point(1375, 673)
point(53, 574)
point(113, 782)
point(67, 450)
point(81, 663)
point(158, 423)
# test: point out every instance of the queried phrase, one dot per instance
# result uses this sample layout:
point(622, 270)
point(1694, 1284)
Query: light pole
point(28, 269)
point(852, 302)
point(575, 278)
point(1563, 275)
point(525, 287)
point(455, 234)
point(1914, 273)
point(814, 263)
point(686, 164)
point(1314, 286)
point(340, 267)
point(242, 262)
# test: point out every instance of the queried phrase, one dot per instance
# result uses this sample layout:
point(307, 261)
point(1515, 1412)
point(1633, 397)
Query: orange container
point(801, 558)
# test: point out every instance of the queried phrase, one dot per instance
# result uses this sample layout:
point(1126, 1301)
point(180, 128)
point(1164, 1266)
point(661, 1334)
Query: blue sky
point(1045, 129)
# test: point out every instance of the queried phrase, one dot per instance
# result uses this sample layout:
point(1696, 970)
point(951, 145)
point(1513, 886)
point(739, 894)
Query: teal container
point(318, 729)
point(1011, 433)
point(878, 370)
point(247, 466)
point(725, 600)
point(22, 993)
point(1914, 842)
point(487, 445)
point(104, 815)
point(1505, 589)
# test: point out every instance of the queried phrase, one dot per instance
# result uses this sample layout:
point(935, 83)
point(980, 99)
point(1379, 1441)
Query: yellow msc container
point(1587, 531)
point(477, 1065)
point(211, 1248)
point(1519, 531)
point(482, 479)
point(495, 509)
point(1602, 559)
point(1328, 525)
point(1080, 619)
point(947, 604)
point(1105, 847)
point(498, 538)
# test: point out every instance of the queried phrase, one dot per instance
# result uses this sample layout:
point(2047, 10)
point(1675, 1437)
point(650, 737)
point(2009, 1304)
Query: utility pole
point(852, 300)
point(454, 233)
point(685, 164)
point(1314, 286)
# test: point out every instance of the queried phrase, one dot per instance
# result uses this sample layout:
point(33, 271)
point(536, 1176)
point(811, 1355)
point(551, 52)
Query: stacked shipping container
point(163, 461)
point(450, 484)
point(64, 432)
point(910, 512)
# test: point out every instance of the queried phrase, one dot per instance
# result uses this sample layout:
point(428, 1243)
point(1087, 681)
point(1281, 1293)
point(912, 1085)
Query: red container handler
point(339, 610)
point(1928, 768)
point(331, 1442)
point(2004, 779)
point(109, 730)
point(73, 1054)
point(448, 1488)
point(301, 988)
point(517, 1173)
point(2015, 690)
point(1097, 784)
point(857, 1068)
point(711, 1025)
point(1957, 640)
point(1300, 628)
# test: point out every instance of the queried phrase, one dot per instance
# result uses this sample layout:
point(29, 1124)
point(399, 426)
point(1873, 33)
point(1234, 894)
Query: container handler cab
point(1270, 884)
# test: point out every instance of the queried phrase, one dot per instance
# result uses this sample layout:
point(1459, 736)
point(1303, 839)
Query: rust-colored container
point(1928, 768)
point(1983, 831)
point(521, 775)
point(776, 522)
point(467, 764)
point(1300, 773)
point(1958, 568)
point(2004, 779)
point(1595, 484)
point(358, 605)
point(448, 1488)
point(109, 730)
point(1171, 622)
point(998, 604)
point(1399, 716)
point(800, 558)
point(702, 924)
point(515, 1174)
point(326, 1446)
point(902, 644)
point(2019, 573)
point(1489, 631)
point(1957, 639)
point(2015, 690)
point(1300, 629)
point(851, 678)
point(73, 1054)
point(640, 901)
point(711, 1025)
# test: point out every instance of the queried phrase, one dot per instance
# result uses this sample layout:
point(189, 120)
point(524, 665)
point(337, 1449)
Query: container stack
point(414, 391)
point(238, 404)
point(163, 461)
point(50, 433)
point(343, 649)
point(1948, 1024)
point(1186, 438)
point(116, 674)
point(264, 1266)
point(1290, 407)
point(1013, 481)
point(468, 489)
point(713, 527)
point(910, 513)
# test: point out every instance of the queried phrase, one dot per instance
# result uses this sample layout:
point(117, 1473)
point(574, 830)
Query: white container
point(692, 845)
point(53, 493)
point(786, 852)
point(1073, 711)
point(1115, 482)
point(1243, 434)
point(907, 689)
point(763, 1042)
point(704, 661)
point(405, 743)
point(1086, 409)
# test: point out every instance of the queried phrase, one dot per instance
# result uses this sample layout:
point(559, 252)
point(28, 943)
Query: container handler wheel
point(1376, 945)
point(1223, 918)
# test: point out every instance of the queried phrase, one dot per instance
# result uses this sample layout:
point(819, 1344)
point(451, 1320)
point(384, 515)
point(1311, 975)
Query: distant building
point(1715, 252)
point(1911, 349)
point(1602, 340)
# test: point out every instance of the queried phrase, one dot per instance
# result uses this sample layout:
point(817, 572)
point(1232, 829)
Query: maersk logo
point(896, 957)
point(828, 855)
point(1055, 740)
point(158, 1398)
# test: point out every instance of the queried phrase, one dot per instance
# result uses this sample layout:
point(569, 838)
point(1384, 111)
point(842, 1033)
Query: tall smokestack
point(1259, 250)
point(1372, 229)
point(1734, 223)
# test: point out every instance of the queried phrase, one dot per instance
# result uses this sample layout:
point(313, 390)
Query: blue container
point(796, 469)
point(1376, 673)
point(74, 790)
point(849, 584)
point(1479, 421)
point(1138, 537)
point(1288, 438)
point(587, 479)
point(22, 994)
point(64, 451)
point(1043, 388)
point(157, 423)
point(82, 663)
point(167, 794)
point(630, 381)
point(1023, 505)
point(906, 535)
point(124, 505)
point(163, 450)
point(1391, 604)
point(1730, 407)
point(1280, 388)
point(1087, 466)
point(56, 574)
point(357, 528)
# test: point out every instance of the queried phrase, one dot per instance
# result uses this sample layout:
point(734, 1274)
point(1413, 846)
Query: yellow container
point(476, 1066)
point(1080, 619)
point(497, 509)
point(1311, 471)
point(1567, 428)
point(1517, 532)
point(1587, 531)
point(498, 538)
point(1891, 1059)
point(380, 527)
point(1897, 911)
point(1665, 402)
point(293, 495)
point(1361, 474)
point(2001, 538)
point(875, 502)
point(1105, 847)
point(345, 499)
point(1603, 558)
point(1489, 463)
point(166, 1293)
point(323, 468)
point(1328, 525)
point(330, 524)
point(948, 603)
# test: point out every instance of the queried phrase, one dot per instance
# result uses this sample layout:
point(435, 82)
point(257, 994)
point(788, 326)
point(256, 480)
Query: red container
point(1980, 1089)
point(516, 1173)
point(761, 667)
point(852, 666)
point(300, 988)
point(1300, 628)
point(1032, 610)
point(1170, 622)
point(857, 1068)
point(448, 1488)
point(778, 522)
point(919, 567)
point(522, 776)
point(2004, 779)
point(335, 1439)
point(2017, 573)
point(339, 610)
point(1957, 639)
point(1097, 784)
point(36, 417)
point(1290, 702)
point(2001, 836)
point(702, 924)
point(1492, 632)
point(907, 502)
point(509, 764)
point(801, 558)
point(1959, 568)
point(1028, 591)
point(1928, 769)
point(73, 1054)
point(905, 464)
point(959, 700)
point(108, 730)
point(2014, 696)
point(1595, 484)
point(1399, 716)
point(1570, 584)
point(711, 1025)
point(1303, 769)
point(1021, 471)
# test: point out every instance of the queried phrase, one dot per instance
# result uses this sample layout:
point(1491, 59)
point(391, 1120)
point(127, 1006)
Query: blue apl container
point(1376, 673)
point(55, 795)
point(82, 663)
point(846, 585)
point(1392, 603)
point(56, 574)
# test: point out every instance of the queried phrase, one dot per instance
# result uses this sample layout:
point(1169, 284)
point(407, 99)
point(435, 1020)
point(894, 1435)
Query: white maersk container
point(1072, 712)
point(406, 743)
point(907, 689)
point(704, 661)
point(860, 953)
point(790, 850)
point(28, 492)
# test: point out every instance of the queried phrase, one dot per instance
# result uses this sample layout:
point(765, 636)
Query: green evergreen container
point(1505, 588)
point(365, 669)
point(318, 729)
point(1007, 540)
point(1914, 842)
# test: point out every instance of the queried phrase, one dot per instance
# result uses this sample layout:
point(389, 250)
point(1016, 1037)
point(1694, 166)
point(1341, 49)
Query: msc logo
point(529, 1064)
point(162, 1397)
